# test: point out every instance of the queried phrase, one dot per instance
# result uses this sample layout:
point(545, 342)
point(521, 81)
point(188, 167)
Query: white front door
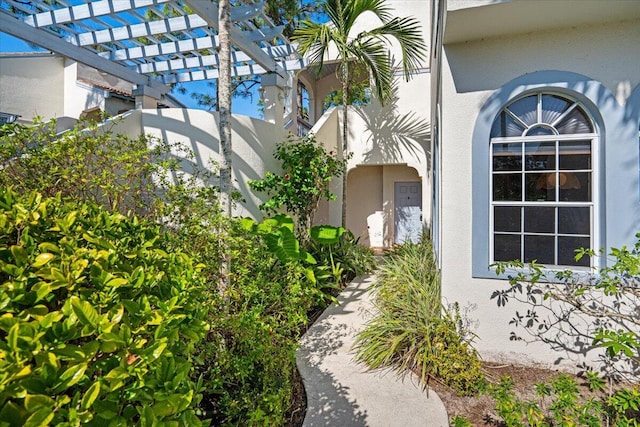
point(408, 211)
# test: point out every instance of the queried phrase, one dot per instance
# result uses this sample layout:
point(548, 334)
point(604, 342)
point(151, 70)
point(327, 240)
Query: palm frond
point(354, 8)
point(409, 36)
point(314, 40)
point(377, 60)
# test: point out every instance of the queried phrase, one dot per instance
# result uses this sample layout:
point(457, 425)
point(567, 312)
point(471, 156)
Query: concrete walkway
point(341, 392)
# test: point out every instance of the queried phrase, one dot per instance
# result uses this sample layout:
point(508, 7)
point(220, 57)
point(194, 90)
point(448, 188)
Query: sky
point(248, 107)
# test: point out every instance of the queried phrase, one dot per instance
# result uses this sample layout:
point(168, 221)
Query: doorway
point(408, 211)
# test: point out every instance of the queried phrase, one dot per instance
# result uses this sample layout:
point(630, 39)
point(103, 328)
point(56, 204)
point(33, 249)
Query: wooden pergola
point(151, 43)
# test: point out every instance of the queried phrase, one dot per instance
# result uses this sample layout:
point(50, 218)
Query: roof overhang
point(481, 19)
point(151, 43)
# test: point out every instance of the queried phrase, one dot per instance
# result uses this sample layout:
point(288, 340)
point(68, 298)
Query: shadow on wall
point(392, 136)
point(253, 142)
point(632, 115)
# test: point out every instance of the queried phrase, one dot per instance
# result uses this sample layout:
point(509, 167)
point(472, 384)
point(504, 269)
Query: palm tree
point(368, 49)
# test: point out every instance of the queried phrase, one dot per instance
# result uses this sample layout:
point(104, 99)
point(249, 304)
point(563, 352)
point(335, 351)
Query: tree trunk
point(224, 103)
point(345, 135)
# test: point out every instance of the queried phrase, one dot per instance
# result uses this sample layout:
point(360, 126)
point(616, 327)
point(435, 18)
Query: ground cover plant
point(413, 332)
point(109, 299)
point(598, 310)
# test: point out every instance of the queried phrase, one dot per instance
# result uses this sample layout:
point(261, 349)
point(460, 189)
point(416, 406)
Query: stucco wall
point(365, 188)
point(382, 136)
point(79, 97)
point(599, 66)
point(32, 86)
point(253, 143)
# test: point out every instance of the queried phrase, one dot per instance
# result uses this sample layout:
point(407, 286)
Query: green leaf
point(326, 234)
point(283, 244)
point(35, 401)
point(147, 418)
point(42, 259)
point(308, 272)
point(12, 339)
point(116, 282)
point(70, 377)
point(42, 289)
point(155, 350)
point(90, 396)
point(49, 247)
point(85, 312)
point(164, 408)
point(13, 412)
point(247, 223)
point(20, 255)
point(42, 417)
point(308, 258)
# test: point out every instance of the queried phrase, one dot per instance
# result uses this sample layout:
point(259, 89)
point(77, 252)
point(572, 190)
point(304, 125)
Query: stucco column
point(146, 97)
point(273, 88)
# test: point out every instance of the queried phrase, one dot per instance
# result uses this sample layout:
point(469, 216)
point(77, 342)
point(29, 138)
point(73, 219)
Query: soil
point(479, 409)
point(295, 414)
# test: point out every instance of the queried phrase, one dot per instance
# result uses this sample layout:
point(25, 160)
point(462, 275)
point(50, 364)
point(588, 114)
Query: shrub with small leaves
point(307, 170)
point(98, 319)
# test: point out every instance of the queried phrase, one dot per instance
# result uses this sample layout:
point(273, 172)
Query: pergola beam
point(87, 11)
point(205, 61)
point(159, 27)
point(239, 71)
point(189, 45)
point(209, 12)
point(69, 14)
point(53, 43)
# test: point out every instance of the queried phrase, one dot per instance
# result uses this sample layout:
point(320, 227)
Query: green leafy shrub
point(249, 355)
point(598, 309)
point(412, 332)
point(88, 162)
point(346, 253)
point(99, 319)
point(244, 365)
point(307, 170)
point(559, 402)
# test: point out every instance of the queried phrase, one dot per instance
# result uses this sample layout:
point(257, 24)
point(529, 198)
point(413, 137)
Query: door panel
point(408, 211)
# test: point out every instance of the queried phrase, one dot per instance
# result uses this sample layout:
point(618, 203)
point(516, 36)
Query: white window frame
point(523, 139)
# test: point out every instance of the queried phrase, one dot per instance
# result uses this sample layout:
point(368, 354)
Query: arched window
point(303, 102)
point(542, 182)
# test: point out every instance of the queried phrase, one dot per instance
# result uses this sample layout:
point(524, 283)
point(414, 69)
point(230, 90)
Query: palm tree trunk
point(224, 103)
point(345, 134)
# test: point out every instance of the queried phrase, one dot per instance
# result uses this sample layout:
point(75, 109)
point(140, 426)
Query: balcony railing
point(302, 127)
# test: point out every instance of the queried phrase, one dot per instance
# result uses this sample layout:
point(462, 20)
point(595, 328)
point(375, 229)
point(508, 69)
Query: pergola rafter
point(151, 42)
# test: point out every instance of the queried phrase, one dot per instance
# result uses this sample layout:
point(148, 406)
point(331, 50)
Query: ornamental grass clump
point(412, 332)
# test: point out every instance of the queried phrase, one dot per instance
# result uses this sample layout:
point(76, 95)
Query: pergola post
point(273, 95)
point(146, 97)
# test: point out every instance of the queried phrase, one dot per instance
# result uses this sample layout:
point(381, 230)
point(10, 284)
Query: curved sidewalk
point(341, 392)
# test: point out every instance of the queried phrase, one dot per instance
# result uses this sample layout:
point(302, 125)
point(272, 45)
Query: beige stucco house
point(518, 139)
